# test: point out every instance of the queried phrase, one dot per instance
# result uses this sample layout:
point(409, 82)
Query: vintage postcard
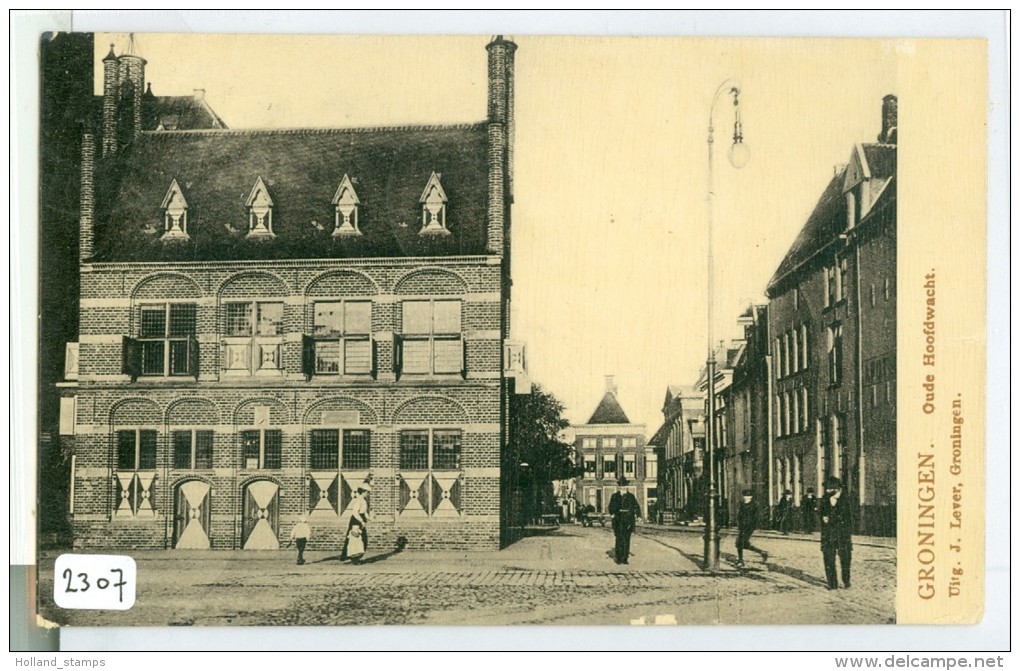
point(511, 330)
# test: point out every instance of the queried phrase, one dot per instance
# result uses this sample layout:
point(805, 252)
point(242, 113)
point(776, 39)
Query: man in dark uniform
point(808, 507)
point(747, 522)
point(834, 511)
point(624, 509)
point(785, 512)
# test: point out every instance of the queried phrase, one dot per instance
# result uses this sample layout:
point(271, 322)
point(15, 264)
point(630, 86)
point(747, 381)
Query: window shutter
point(193, 356)
point(132, 355)
point(449, 356)
point(308, 355)
point(416, 356)
point(375, 357)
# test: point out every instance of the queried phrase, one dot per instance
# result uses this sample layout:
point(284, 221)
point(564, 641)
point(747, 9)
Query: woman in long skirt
point(359, 520)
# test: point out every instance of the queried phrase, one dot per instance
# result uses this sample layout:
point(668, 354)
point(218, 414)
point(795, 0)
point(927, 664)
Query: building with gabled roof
point(611, 448)
point(682, 409)
point(271, 320)
point(832, 324)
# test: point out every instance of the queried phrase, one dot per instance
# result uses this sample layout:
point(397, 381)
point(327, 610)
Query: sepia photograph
point(498, 330)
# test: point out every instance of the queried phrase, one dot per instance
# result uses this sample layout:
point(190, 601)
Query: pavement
point(560, 575)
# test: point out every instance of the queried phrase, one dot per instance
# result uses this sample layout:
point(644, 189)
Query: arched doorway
point(261, 516)
point(192, 505)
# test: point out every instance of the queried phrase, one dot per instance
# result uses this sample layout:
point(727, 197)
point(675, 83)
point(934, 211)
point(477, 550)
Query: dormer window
point(433, 208)
point(346, 202)
point(175, 214)
point(260, 211)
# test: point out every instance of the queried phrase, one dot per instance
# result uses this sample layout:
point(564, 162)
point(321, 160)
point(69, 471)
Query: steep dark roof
point(659, 439)
point(881, 159)
point(609, 411)
point(188, 112)
point(828, 218)
point(216, 170)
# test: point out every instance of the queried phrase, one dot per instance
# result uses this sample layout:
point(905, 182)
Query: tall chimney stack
point(132, 82)
point(110, 103)
point(86, 212)
point(501, 130)
point(888, 134)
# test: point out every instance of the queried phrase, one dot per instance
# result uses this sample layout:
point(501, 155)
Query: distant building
point(726, 355)
point(680, 470)
point(832, 325)
point(610, 447)
point(748, 412)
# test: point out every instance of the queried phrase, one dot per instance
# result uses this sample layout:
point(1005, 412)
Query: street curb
point(866, 541)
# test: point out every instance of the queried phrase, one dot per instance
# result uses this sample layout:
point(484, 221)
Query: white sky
point(609, 223)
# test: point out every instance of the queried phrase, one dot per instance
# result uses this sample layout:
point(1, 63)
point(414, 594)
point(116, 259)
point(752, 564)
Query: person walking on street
point(299, 535)
point(835, 516)
point(785, 512)
point(809, 509)
point(359, 520)
point(625, 511)
point(747, 522)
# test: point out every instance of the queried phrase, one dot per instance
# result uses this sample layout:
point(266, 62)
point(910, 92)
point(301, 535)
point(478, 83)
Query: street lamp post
point(739, 156)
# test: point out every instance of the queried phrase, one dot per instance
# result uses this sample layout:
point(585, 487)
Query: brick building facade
point(681, 442)
point(269, 319)
point(610, 448)
point(832, 323)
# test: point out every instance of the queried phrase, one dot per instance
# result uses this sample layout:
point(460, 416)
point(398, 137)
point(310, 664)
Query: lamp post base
point(711, 556)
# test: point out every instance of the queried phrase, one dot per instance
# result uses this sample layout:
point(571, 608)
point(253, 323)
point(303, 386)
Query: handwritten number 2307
point(101, 583)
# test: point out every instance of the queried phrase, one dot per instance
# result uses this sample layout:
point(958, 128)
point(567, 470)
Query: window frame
point(193, 435)
point(431, 338)
point(254, 342)
point(341, 338)
point(835, 342)
point(167, 341)
point(263, 448)
point(137, 466)
point(651, 466)
point(432, 470)
point(342, 449)
point(134, 482)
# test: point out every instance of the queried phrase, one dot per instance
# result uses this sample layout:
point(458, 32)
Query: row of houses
point(809, 390)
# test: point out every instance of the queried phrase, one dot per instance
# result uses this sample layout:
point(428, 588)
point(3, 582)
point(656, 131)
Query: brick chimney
point(111, 69)
point(611, 384)
point(888, 134)
point(132, 86)
point(86, 213)
point(501, 133)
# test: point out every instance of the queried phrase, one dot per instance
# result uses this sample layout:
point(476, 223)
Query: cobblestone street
point(562, 576)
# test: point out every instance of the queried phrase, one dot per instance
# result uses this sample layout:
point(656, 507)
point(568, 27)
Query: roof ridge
point(315, 131)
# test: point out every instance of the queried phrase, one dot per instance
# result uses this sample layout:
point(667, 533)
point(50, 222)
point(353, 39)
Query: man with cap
point(834, 511)
point(747, 522)
point(623, 506)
